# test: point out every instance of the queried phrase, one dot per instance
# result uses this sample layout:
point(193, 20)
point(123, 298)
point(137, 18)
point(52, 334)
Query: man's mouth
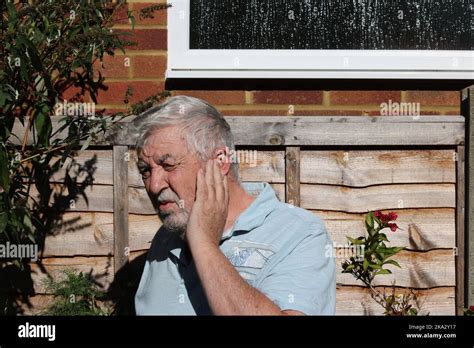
point(165, 204)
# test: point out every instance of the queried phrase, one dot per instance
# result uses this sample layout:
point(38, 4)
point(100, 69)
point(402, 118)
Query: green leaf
point(365, 264)
point(384, 271)
point(131, 18)
point(369, 221)
point(357, 241)
point(4, 172)
point(375, 266)
point(392, 262)
point(3, 221)
point(43, 125)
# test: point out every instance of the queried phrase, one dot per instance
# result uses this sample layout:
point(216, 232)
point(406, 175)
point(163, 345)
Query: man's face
point(169, 174)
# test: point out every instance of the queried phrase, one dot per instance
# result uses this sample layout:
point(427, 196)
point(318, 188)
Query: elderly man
point(224, 248)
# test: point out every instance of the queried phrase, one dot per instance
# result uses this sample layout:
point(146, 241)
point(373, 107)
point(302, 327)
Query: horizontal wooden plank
point(319, 197)
point(83, 233)
point(258, 166)
point(346, 130)
point(364, 168)
point(418, 270)
point(351, 300)
point(100, 198)
point(94, 234)
point(346, 168)
point(420, 229)
point(361, 200)
point(325, 130)
point(101, 268)
point(341, 130)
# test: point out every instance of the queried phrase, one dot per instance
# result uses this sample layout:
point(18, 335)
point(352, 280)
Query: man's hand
point(209, 212)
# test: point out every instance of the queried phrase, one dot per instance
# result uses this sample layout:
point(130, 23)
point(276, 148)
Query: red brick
point(120, 15)
point(75, 94)
point(434, 97)
point(113, 66)
point(116, 91)
point(160, 16)
point(288, 97)
point(146, 39)
point(363, 97)
point(149, 66)
point(216, 97)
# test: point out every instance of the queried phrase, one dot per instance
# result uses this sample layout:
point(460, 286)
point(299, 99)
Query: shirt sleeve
point(305, 279)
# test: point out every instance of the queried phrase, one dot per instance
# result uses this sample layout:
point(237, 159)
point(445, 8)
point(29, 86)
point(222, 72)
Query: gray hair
point(205, 128)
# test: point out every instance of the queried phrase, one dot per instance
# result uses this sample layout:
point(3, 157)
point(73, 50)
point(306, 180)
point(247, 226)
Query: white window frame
point(321, 64)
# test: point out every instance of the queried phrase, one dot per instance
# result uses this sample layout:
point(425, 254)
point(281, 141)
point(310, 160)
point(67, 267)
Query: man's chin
point(178, 229)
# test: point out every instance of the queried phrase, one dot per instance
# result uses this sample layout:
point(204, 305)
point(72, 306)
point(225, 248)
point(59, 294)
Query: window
point(399, 39)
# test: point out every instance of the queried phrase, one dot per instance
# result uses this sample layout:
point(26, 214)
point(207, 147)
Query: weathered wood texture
point(460, 228)
point(293, 194)
point(339, 186)
point(324, 130)
point(351, 300)
point(467, 109)
point(120, 207)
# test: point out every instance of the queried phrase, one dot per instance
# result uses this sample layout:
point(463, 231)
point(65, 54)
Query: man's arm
point(226, 291)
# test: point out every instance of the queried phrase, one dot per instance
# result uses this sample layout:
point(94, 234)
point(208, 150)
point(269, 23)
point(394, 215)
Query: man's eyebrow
point(142, 163)
point(164, 158)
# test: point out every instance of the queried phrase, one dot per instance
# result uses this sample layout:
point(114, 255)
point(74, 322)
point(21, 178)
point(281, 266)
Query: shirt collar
point(252, 217)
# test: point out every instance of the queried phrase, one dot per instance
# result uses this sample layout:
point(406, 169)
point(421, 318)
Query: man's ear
point(222, 155)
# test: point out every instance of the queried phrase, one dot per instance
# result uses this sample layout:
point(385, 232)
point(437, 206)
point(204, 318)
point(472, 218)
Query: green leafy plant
point(75, 294)
point(376, 256)
point(49, 48)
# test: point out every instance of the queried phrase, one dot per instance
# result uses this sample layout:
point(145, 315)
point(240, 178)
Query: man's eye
point(145, 173)
point(168, 167)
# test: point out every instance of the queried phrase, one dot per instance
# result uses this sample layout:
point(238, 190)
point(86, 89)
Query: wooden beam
point(467, 109)
point(460, 234)
point(292, 187)
point(342, 130)
point(316, 131)
point(120, 172)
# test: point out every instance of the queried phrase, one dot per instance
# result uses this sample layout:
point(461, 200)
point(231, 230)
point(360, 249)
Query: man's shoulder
point(300, 219)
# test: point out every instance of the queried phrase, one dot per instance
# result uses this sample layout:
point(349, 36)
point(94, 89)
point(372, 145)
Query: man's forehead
point(168, 141)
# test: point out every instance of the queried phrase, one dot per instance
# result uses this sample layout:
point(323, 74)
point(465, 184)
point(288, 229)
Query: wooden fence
point(337, 167)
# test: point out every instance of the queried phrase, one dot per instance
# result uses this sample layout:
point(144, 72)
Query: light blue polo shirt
point(279, 249)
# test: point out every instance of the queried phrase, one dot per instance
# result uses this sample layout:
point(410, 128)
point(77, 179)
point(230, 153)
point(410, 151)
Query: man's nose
point(158, 180)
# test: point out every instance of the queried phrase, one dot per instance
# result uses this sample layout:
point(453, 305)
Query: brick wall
point(143, 68)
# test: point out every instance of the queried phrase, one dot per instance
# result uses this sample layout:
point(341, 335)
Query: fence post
point(120, 173)
point(292, 180)
point(467, 110)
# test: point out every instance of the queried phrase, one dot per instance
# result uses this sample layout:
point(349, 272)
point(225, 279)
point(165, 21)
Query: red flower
point(471, 308)
point(392, 216)
point(393, 227)
point(377, 214)
point(384, 218)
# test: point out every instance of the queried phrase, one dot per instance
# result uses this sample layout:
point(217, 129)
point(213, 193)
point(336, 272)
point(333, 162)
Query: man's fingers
point(220, 196)
point(226, 191)
point(201, 189)
point(211, 191)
